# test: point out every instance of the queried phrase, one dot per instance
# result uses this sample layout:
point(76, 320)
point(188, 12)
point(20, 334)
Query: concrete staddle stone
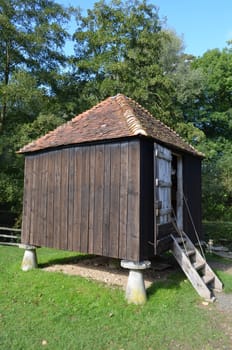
point(30, 258)
point(27, 246)
point(135, 290)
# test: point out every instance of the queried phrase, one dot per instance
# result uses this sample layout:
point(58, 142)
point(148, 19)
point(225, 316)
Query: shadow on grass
point(174, 281)
point(65, 261)
point(155, 279)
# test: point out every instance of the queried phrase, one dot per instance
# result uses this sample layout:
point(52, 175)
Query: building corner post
point(29, 261)
point(135, 290)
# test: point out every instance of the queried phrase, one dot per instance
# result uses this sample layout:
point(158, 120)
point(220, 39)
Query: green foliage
point(32, 39)
point(218, 231)
point(40, 126)
point(11, 175)
point(204, 97)
point(171, 53)
point(70, 312)
point(217, 170)
point(24, 99)
point(190, 133)
point(215, 101)
point(31, 54)
point(118, 47)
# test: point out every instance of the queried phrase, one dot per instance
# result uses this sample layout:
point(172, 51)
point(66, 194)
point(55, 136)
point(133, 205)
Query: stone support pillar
point(135, 290)
point(30, 258)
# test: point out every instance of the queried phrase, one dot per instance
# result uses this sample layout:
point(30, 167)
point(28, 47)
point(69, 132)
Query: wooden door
point(163, 184)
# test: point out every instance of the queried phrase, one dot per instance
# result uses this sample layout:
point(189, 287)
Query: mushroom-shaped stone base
point(30, 258)
point(135, 290)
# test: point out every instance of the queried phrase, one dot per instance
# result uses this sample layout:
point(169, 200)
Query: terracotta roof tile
point(115, 117)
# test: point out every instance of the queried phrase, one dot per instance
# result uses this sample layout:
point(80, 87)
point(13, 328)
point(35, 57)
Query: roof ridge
point(133, 123)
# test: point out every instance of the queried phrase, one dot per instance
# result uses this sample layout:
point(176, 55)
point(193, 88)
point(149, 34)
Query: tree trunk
point(6, 82)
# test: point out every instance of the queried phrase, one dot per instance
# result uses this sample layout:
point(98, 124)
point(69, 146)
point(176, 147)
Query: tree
point(32, 38)
point(217, 185)
point(172, 49)
point(213, 115)
point(214, 104)
point(118, 47)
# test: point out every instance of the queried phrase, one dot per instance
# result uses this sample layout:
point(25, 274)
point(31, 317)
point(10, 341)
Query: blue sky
point(204, 24)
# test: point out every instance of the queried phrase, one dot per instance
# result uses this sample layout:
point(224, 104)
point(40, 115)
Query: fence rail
point(10, 239)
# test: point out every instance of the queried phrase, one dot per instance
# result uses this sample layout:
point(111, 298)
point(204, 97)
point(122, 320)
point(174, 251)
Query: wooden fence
point(10, 236)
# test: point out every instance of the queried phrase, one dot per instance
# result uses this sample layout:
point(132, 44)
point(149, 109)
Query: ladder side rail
point(193, 276)
point(218, 286)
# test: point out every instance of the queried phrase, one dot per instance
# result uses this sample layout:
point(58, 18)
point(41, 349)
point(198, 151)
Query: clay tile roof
point(115, 117)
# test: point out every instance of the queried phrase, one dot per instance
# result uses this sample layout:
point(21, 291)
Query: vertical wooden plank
point(28, 175)
point(147, 200)
point(49, 224)
point(43, 197)
point(114, 200)
point(156, 198)
point(123, 201)
point(64, 199)
point(92, 195)
point(39, 236)
point(36, 238)
point(179, 195)
point(98, 200)
point(50, 200)
point(34, 202)
point(133, 218)
point(85, 199)
point(71, 175)
point(106, 201)
point(76, 243)
point(36, 193)
point(57, 199)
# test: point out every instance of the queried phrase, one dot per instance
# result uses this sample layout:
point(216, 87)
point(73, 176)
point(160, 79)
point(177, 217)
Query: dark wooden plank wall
point(85, 198)
point(192, 192)
point(147, 210)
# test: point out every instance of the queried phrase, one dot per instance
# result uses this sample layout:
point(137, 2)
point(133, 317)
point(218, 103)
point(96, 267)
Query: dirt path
point(110, 272)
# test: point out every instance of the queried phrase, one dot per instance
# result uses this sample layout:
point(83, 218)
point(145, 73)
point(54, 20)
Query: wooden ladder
point(199, 273)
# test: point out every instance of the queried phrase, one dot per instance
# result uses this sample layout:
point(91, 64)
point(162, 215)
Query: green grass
point(70, 312)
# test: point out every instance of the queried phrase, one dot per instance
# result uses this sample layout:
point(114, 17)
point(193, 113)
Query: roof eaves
point(194, 150)
point(172, 131)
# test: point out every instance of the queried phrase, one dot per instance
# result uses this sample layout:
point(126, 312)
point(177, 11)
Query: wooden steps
point(199, 273)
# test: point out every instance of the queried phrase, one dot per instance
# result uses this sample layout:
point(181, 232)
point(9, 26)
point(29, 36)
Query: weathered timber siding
point(192, 192)
point(87, 199)
point(147, 210)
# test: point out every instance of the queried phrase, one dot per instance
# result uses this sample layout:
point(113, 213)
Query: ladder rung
point(195, 267)
point(198, 265)
point(180, 240)
point(190, 252)
point(208, 279)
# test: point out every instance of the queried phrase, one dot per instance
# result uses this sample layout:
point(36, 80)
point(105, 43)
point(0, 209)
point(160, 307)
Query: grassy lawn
point(48, 310)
